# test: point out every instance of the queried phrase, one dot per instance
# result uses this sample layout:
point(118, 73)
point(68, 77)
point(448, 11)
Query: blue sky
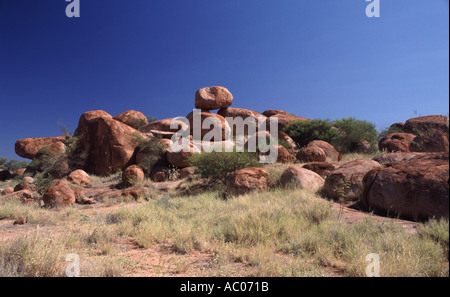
point(314, 58)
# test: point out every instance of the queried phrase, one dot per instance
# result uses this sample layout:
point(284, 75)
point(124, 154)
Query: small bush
point(12, 165)
point(152, 149)
point(76, 158)
point(303, 132)
point(31, 255)
point(219, 166)
point(385, 132)
point(48, 164)
point(353, 133)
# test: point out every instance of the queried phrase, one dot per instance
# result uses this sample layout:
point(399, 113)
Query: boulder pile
point(410, 179)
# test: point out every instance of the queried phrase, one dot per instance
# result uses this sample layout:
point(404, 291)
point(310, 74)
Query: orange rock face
point(352, 173)
point(213, 98)
point(311, 154)
point(207, 117)
point(424, 124)
point(133, 175)
point(396, 142)
point(79, 177)
point(272, 112)
point(431, 142)
point(180, 158)
point(29, 147)
point(332, 154)
point(247, 180)
point(301, 177)
point(59, 195)
point(321, 168)
point(109, 144)
point(133, 119)
point(417, 190)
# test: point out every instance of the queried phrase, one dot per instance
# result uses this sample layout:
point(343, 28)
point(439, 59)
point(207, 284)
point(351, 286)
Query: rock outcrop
point(59, 194)
point(409, 157)
point(417, 189)
point(330, 151)
point(302, 178)
point(311, 154)
point(132, 118)
point(108, 143)
point(28, 148)
point(424, 124)
point(321, 168)
point(205, 125)
point(247, 180)
point(133, 175)
point(211, 98)
point(396, 142)
point(352, 173)
point(79, 177)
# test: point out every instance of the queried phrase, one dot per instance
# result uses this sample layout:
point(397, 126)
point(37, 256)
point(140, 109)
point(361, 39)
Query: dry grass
point(358, 156)
point(276, 233)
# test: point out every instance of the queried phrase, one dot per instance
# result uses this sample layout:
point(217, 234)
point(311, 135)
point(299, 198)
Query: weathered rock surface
point(396, 142)
point(20, 221)
point(287, 140)
point(321, 168)
point(247, 116)
point(272, 112)
point(179, 156)
point(301, 177)
point(109, 144)
point(434, 141)
point(162, 128)
point(418, 189)
point(29, 147)
point(311, 154)
point(284, 120)
point(187, 172)
point(351, 173)
point(330, 151)
point(25, 196)
point(247, 180)
point(213, 98)
point(424, 124)
point(210, 121)
point(79, 177)
point(8, 191)
point(284, 156)
point(408, 157)
point(132, 118)
point(132, 175)
point(25, 186)
point(59, 195)
point(28, 179)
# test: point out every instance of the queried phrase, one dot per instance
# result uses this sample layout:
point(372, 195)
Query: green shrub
point(151, 119)
point(385, 132)
point(152, 151)
point(12, 165)
point(219, 166)
point(48, 164)
point(75, 157)
point(303, 132)
point(352, 133)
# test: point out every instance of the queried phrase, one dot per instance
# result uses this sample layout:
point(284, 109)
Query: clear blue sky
point(315, 58)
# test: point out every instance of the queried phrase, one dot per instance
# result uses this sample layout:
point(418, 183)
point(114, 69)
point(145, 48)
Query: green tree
point(219, 166)
point(353, 133)
point(12, 165)
point(303, 132)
